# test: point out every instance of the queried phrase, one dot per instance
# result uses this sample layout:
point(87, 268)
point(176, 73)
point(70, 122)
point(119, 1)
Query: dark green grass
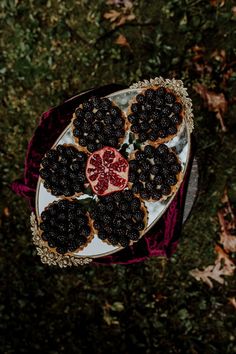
point(51, 50)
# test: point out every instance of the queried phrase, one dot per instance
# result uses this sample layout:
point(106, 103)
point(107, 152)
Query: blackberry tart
point(120, 218)
point(98, 122)
point(63, 171)
point(155, 115)
point(154, 172)
point(65, 226)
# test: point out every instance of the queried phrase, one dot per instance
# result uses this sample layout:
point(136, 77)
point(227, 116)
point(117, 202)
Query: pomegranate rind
point(113, 171)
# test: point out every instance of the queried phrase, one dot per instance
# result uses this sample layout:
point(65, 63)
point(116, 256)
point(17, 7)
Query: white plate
point(181, 143)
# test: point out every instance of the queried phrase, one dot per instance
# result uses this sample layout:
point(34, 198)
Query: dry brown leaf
point(112, 15)
point(226, 238)
point(232, 301)
point(217, 3)
point(119, 18)
point(122, 41)
point(209, 273)
point(215, 102)
point(6, 212)
point(223, 258)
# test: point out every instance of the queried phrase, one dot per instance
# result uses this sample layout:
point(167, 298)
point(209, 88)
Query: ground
point(51, 50)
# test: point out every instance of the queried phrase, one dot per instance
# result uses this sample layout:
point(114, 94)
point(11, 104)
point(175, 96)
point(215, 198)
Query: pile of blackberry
point(119, 218)
point(98, 123)
point(65, 226)
point(155, 115)
point(63, 171)
point(153, 172)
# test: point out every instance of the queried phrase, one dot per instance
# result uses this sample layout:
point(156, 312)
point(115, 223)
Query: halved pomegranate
point(107, 171)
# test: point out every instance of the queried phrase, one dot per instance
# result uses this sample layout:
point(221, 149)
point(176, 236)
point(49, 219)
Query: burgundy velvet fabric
point(161, 240)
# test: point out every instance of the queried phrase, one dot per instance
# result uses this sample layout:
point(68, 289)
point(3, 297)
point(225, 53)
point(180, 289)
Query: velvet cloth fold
point(161, 240)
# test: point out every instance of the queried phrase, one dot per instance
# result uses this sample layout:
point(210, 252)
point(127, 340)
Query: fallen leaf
point(6, 212)
point(232, 301)
point(119, 18)
point(224, 259)
point(215, 102)
point(217, 3)
point(208, 274)
point(122, 41)
point(112, 15)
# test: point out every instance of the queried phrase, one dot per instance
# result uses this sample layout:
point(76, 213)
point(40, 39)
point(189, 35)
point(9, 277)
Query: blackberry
point(83, 141)
point(77, 133)
point(107, 219)
point(145, 194)
point(143, 116)
point(112, 142)
point(119, 133)
point(138, 215)
point(150, 186)
point(169, 98)
point(143, 136)
point(118, 222)
point(135, 204)
point(153, 136)
point(165, 122)
point(171, 158)
point(115, 111)
point(162, 134)
point(133, 165)
point(107, 199)
point(89, 116)
point(137, 187)
point(100, 114)
point(128, 195)
point(171, 180)
point(156, 195)
point(148, 106)
point(85, 231)
point(87, 106)
point(92, 147)
point(177, 107)
point(110, 206)
point(165, 190)
point(132, 118)
point(133, 235)
point(165, 171)
point(127, 215)
point(166, 111)
point(98, 127)
point(121, 232)
point(158, 179)
point(124, 242)
point(144, 126)
point(129, 225)
point(154, 125)
point(105, 104)
point(97, 225)
point(149, 151)
point(162, 150)
point(175, 168)
point(150, 94)
point(143, 176)
point(119, 123)
point(79, 113)
point(135, 107)
point(156, 115)
point(140, 155)
point(140, 98)
point(160, 92)
point(113, 240)
point(108, 229)
point(140, 225)
point(172, 130)
point(124, 206)
point(44, 173)
point(118, 196)
point(108, 130)
point(145, 166)
point(95, 101)
point(102, 235)
point(108, 119)
point(132, 177)
point(155, 170)
point(176, 118)
point(159, 101)
point(135, 128)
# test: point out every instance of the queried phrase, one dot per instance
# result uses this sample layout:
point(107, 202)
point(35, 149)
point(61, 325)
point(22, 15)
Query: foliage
point(51, 50)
